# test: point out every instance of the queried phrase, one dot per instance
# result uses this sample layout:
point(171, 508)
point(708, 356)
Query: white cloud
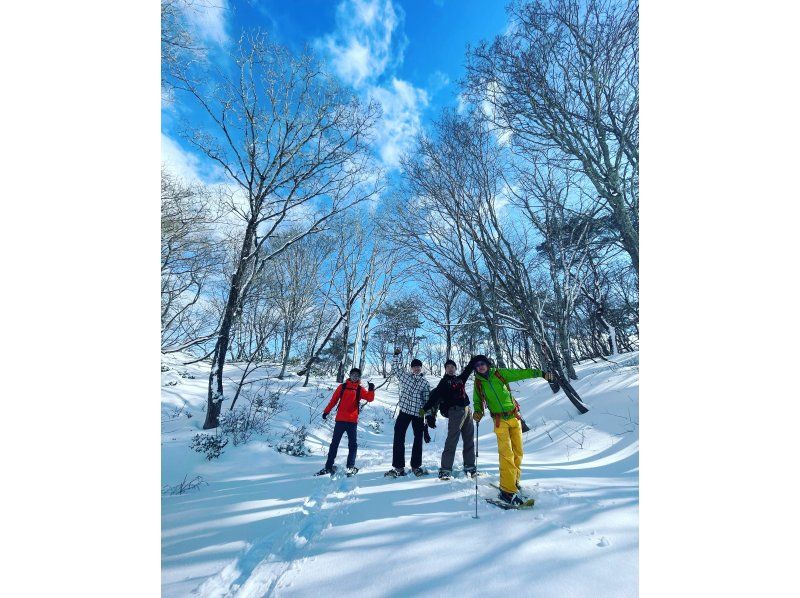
point(463, 104)
point(438, 81)
point(207, 20)
point(361, 48)
point(181, 163)
point(364, 50)
point(402, 104)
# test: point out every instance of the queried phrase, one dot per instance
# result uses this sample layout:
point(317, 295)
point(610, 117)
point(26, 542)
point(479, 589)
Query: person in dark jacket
point(348, 396)
point(451, 399)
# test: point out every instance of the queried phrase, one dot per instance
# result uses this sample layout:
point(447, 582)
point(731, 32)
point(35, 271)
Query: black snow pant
point(338, 430)
point(400, 429)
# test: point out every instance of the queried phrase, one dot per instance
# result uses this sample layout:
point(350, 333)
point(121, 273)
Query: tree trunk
point(556, 367)
point(612, 335)
point(345, 336)
point(287, 347)
point(215, 392)
point(563, 341)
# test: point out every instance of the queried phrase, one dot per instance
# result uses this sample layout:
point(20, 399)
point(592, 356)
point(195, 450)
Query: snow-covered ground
point(261, 525)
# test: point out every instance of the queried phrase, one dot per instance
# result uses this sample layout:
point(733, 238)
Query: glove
point(425, 435)
point(477, 416)
point(430, 419)
point(370, 386)
point(422, 412)
point(549, 376)
point(324, 415)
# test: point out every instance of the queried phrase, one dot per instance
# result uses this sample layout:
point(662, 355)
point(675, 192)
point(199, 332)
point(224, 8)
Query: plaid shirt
point(414, 389)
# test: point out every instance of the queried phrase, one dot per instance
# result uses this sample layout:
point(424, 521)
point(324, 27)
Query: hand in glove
point(422, 412)
point(425, 435)
point(477, 416)
point(430, 419)
point(370, 387)
point(549, 376)
point(324, 415)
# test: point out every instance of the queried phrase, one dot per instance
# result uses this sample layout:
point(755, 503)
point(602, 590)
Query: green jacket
point(498, 399)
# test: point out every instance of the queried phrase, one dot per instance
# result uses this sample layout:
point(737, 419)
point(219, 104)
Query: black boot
point(420, 471)
point(351, 471)
point(395, 472)
point(510, 498)
point(445, 474)
point(326, 471)
point(471, 471)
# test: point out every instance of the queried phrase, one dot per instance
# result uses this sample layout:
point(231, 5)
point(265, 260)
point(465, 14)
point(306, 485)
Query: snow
point(262, 525)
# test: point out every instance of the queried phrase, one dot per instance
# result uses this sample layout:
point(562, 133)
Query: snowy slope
point(263, 526)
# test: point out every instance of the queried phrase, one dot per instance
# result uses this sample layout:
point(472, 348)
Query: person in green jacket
point(491, 391)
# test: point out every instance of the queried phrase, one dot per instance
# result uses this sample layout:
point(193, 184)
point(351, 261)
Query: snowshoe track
point(259, 571)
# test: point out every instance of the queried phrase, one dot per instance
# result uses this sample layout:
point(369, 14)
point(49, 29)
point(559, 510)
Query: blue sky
point(408, 55)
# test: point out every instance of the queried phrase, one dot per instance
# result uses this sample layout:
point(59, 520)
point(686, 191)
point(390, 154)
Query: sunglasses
point(355, 376)
point(477, 363)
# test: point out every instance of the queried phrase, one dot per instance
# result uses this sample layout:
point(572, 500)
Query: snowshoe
point(528, 504)
point(511, 499)
point(419, 471)
point(471, 472)
point(445, 474)
point(395, 472)
point(326, 471)
point(520, 491)
point(351, 471)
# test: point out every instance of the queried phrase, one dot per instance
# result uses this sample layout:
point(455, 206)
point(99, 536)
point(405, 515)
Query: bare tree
point(563, 80)
point(293, 143)
point(351, 248)
point(459, 177)
point(296, 276)
point(565, 217)
point(440, 305)
point(384, 275)
point(190, 257)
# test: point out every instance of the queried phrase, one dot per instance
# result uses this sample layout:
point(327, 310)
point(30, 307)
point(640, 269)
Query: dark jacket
point(449, 392)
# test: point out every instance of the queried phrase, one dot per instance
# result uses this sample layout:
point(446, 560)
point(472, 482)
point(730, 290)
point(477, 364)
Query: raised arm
point(465, 373)
point(402, 376)
point(368, 394)
point(512, 375)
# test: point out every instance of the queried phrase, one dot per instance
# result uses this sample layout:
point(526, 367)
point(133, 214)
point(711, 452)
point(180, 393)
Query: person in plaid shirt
point(414, 393)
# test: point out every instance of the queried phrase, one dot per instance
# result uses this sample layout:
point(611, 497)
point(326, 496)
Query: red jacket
point(348, 405)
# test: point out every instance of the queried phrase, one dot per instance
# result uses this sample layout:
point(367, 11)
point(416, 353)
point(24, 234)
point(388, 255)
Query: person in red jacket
point(347, 395)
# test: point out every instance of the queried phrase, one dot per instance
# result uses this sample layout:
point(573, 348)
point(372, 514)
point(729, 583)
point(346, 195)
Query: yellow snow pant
point(509, 447)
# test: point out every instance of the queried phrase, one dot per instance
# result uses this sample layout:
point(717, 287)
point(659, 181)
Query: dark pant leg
point(455, 417)
point(338, 430)
point(399, 444)
point(417, 423)
point(352, 443)
point(468, 438)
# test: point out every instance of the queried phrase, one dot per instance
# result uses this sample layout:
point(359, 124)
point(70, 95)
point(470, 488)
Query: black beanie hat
point(416, 362)
point(478, 358)
point(355, 370)
point(450, 362)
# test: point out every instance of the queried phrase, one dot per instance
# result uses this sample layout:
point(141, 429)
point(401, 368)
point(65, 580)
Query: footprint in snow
point(603, 542)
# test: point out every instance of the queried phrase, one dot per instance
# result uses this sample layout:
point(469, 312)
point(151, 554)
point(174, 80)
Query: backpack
point(496, 417)
point(342, 388)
